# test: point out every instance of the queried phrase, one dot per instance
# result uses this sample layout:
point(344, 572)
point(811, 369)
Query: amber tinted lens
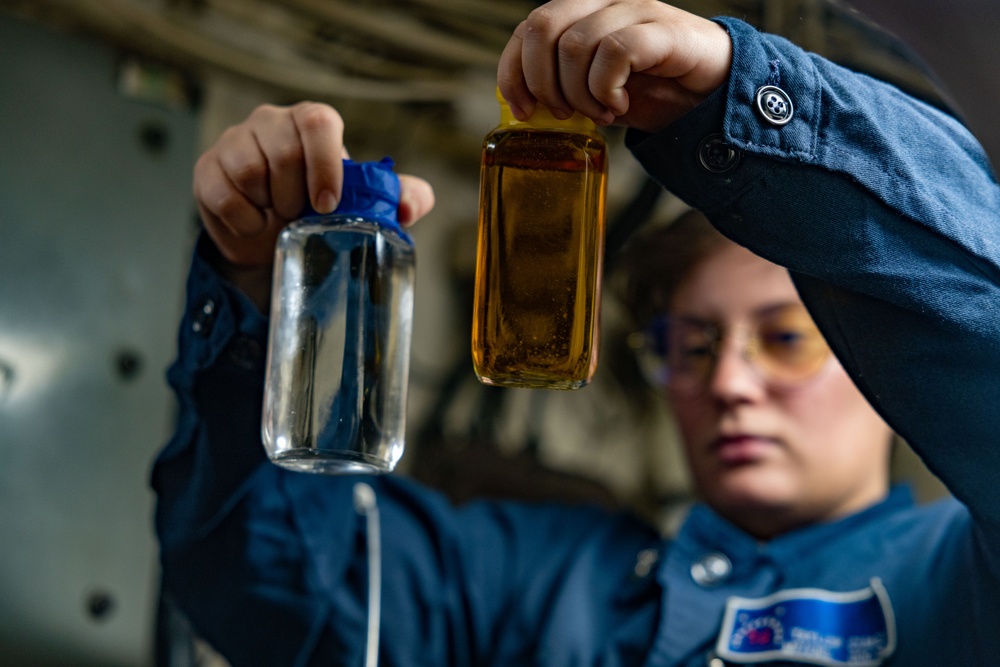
point(784, 346)
point(789, 346)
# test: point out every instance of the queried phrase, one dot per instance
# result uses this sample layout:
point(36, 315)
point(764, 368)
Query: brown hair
point(657, 260)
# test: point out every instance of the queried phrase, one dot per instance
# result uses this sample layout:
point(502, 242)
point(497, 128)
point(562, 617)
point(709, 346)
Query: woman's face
point(771, 458)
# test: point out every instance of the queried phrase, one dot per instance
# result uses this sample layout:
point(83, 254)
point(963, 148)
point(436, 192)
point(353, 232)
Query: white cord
point(366, 505)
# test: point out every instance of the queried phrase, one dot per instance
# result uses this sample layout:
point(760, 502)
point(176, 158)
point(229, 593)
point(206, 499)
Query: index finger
point(529, 67)
point(510, 78)
point(321, 131)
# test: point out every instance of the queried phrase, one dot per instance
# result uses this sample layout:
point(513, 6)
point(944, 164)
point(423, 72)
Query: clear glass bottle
point(543, 189)
point(341, 323)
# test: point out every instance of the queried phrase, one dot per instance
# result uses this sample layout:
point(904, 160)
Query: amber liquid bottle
point(543, 188)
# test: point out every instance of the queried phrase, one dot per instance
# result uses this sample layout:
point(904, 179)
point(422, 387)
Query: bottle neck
point(542, 119)
point(370, 192)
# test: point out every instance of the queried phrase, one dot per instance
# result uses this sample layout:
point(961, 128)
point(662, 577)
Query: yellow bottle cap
point(542, 118)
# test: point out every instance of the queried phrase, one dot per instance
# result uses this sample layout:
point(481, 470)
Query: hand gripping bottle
point(543, 188)
point(341, 321)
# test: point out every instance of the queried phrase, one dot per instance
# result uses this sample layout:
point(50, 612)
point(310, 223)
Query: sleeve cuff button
point(774, 105)
point(716, 156)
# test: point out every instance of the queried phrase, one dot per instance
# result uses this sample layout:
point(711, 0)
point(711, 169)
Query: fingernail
point(326, 202)
point(405, 211)
point(606, 119)
point(522, 113)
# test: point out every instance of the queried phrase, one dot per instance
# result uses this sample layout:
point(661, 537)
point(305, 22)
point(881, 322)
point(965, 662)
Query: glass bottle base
point(331, 463)
point(530, 381)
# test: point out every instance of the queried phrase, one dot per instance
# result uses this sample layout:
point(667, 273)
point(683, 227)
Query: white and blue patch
point(811, 626)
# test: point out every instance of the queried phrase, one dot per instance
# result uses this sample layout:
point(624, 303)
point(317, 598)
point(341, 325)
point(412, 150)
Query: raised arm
point(886, 212)
point(271, 565)
point(884, 209)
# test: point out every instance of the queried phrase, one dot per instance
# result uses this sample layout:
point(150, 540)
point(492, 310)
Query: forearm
point(232, 556)
point(218, 381)
point(270, 565)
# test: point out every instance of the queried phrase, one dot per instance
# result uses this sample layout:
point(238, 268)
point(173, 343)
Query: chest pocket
point(808, 626)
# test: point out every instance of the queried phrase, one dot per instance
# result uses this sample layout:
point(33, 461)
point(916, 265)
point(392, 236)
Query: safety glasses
point(781, 344)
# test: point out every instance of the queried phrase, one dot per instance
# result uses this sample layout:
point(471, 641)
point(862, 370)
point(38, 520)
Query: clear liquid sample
point(539, 255)
point(339, 353)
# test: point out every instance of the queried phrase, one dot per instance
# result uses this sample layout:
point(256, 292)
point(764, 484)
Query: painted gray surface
point(94, 235)
point(958, 40)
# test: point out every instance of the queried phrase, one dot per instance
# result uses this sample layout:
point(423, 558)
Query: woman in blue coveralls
point(882, 211)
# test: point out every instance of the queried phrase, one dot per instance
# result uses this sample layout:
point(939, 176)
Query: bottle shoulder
point(546, 137)
point(545, 150)
point(347, 226)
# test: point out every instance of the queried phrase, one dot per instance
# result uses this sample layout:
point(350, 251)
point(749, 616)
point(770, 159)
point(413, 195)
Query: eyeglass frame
point(652, 355)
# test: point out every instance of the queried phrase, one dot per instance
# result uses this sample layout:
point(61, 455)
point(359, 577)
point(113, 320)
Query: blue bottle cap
point(370, 191)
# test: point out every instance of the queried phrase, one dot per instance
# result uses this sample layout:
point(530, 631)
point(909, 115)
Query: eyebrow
point(756, 314)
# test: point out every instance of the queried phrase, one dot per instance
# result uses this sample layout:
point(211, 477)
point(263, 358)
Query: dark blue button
point(711, 569)
point(245, 352)
point(716, 156)
point(774, 105)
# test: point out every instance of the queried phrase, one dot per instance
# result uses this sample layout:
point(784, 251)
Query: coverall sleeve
point(270, 565)
point(887, 214)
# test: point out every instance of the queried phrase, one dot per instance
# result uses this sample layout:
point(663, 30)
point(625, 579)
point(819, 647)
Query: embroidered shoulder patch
point(812, 626)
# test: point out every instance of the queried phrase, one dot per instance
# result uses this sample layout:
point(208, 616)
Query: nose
point(734, 379)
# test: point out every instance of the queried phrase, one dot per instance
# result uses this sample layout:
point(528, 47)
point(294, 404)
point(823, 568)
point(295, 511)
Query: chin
point(748, 493)
point(762, 517)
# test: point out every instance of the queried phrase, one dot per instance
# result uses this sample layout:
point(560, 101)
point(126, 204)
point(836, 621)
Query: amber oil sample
point(541, 244)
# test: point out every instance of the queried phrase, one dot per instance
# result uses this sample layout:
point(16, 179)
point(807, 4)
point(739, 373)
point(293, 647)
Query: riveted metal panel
point(95, 229)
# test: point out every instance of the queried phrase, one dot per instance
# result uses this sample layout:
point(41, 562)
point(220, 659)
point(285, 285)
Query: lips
point(742, 448)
